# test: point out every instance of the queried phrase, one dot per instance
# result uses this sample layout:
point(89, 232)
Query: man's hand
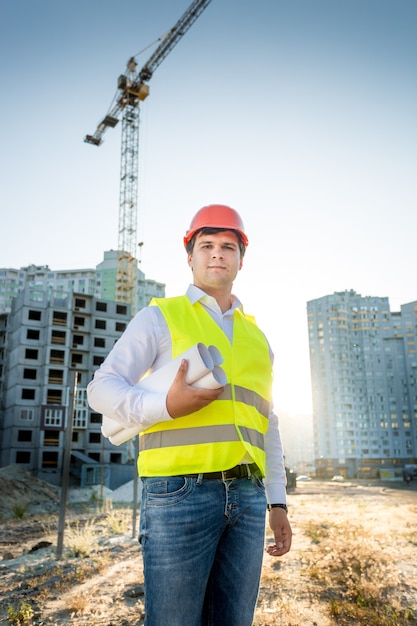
point(280, 526)
point(183, 399)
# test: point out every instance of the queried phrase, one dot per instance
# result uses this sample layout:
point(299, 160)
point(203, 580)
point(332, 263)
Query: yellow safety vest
point(218, 436)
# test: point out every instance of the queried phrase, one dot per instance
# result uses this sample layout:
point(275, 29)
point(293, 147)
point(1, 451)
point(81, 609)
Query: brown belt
point(239, 471)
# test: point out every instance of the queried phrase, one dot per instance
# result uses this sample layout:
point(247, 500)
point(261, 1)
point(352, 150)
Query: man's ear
point(190, 260)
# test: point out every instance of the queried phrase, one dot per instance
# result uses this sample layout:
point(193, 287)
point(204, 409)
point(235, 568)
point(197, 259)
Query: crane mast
point(132, 88)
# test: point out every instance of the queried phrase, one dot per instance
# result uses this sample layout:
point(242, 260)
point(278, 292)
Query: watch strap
point(277, 506)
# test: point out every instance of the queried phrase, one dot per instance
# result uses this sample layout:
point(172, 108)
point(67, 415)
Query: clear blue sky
point(301, 114)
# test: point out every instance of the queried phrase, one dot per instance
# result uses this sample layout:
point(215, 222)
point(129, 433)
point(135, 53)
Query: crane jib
point(145, 74)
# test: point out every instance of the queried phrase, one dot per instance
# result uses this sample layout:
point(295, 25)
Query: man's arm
point(114, 391)
point(275, 479)
point(275, 486)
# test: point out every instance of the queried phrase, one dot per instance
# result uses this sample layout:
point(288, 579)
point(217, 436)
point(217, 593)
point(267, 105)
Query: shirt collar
point(195, 294)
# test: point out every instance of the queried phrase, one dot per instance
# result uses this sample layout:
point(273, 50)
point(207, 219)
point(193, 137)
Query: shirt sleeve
point(114, 390)
point(275, 476)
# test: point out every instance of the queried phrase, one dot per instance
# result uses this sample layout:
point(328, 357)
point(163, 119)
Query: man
point(203, 452)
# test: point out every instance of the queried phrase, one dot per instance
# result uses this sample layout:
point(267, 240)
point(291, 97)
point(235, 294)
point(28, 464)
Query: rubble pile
point(18, 488)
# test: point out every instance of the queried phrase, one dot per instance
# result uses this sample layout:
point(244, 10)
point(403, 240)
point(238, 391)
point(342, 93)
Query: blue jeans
point(202, 546)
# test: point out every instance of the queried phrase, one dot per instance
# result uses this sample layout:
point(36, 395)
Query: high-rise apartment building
point(364, 383)
point(55, 328)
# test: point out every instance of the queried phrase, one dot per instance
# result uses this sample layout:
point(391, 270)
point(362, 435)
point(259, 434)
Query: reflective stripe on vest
point(204, 434)
point(247, 396)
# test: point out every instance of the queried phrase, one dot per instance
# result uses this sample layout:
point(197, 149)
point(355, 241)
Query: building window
point(80, 302)
point(32, 334)
point(34, 315)
point(82, 400)
point(98, 360)
point(79, 321)
point(54, 396)
point(121, 309)
point(29, 373)
point(51, 438)
point(99, 342)
point(22, 456)
point(49, 460)
point(55, 377)
point(101, 324)
point(77, 340)
point(26, 415)
point(120, 327)
point(58, 336)
point(24, 435)
point(59, 318)
point(53, 417)
point(57, 356)
point(101, 306)
point(80, 418)
point(28, 394)
point(95, 418)
point(94, 437)
point(76, 359)
point(31, 354)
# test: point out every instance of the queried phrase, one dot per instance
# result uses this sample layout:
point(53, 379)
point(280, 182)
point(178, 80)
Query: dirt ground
point(98, 581)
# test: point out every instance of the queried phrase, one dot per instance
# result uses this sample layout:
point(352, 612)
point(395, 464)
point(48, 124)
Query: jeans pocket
point(257, 480)
point(166, 490)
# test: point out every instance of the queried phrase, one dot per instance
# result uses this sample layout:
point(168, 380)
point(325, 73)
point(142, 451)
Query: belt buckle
point(224, 477)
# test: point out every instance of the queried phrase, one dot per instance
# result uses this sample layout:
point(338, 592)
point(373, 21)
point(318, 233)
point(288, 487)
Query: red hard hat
point(216, 216)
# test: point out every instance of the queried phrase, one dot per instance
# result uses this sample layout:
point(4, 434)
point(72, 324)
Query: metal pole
point(66, 460)
point(102, 472)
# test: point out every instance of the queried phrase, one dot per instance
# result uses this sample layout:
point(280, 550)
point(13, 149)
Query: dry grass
point(355, 576)
point(81, 539)
point(77, 604)
point(118, 521)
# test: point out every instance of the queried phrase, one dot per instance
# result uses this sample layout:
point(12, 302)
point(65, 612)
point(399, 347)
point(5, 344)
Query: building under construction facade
point(48, 338)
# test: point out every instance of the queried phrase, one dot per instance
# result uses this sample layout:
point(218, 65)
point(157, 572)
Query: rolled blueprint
point(212, 380)
point(200, 361)
point(215, 355)
point(203, 372)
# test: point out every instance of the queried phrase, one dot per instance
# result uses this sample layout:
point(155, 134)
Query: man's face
point(215, 260)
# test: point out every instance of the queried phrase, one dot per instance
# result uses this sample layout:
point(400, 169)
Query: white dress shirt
point(146, 345)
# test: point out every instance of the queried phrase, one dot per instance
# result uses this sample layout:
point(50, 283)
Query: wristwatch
point(277, 506)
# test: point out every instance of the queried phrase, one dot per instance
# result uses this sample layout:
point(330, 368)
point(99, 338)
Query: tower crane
point(132, 88)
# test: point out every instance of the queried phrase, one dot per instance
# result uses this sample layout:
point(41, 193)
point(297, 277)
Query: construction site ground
point(98, 579)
